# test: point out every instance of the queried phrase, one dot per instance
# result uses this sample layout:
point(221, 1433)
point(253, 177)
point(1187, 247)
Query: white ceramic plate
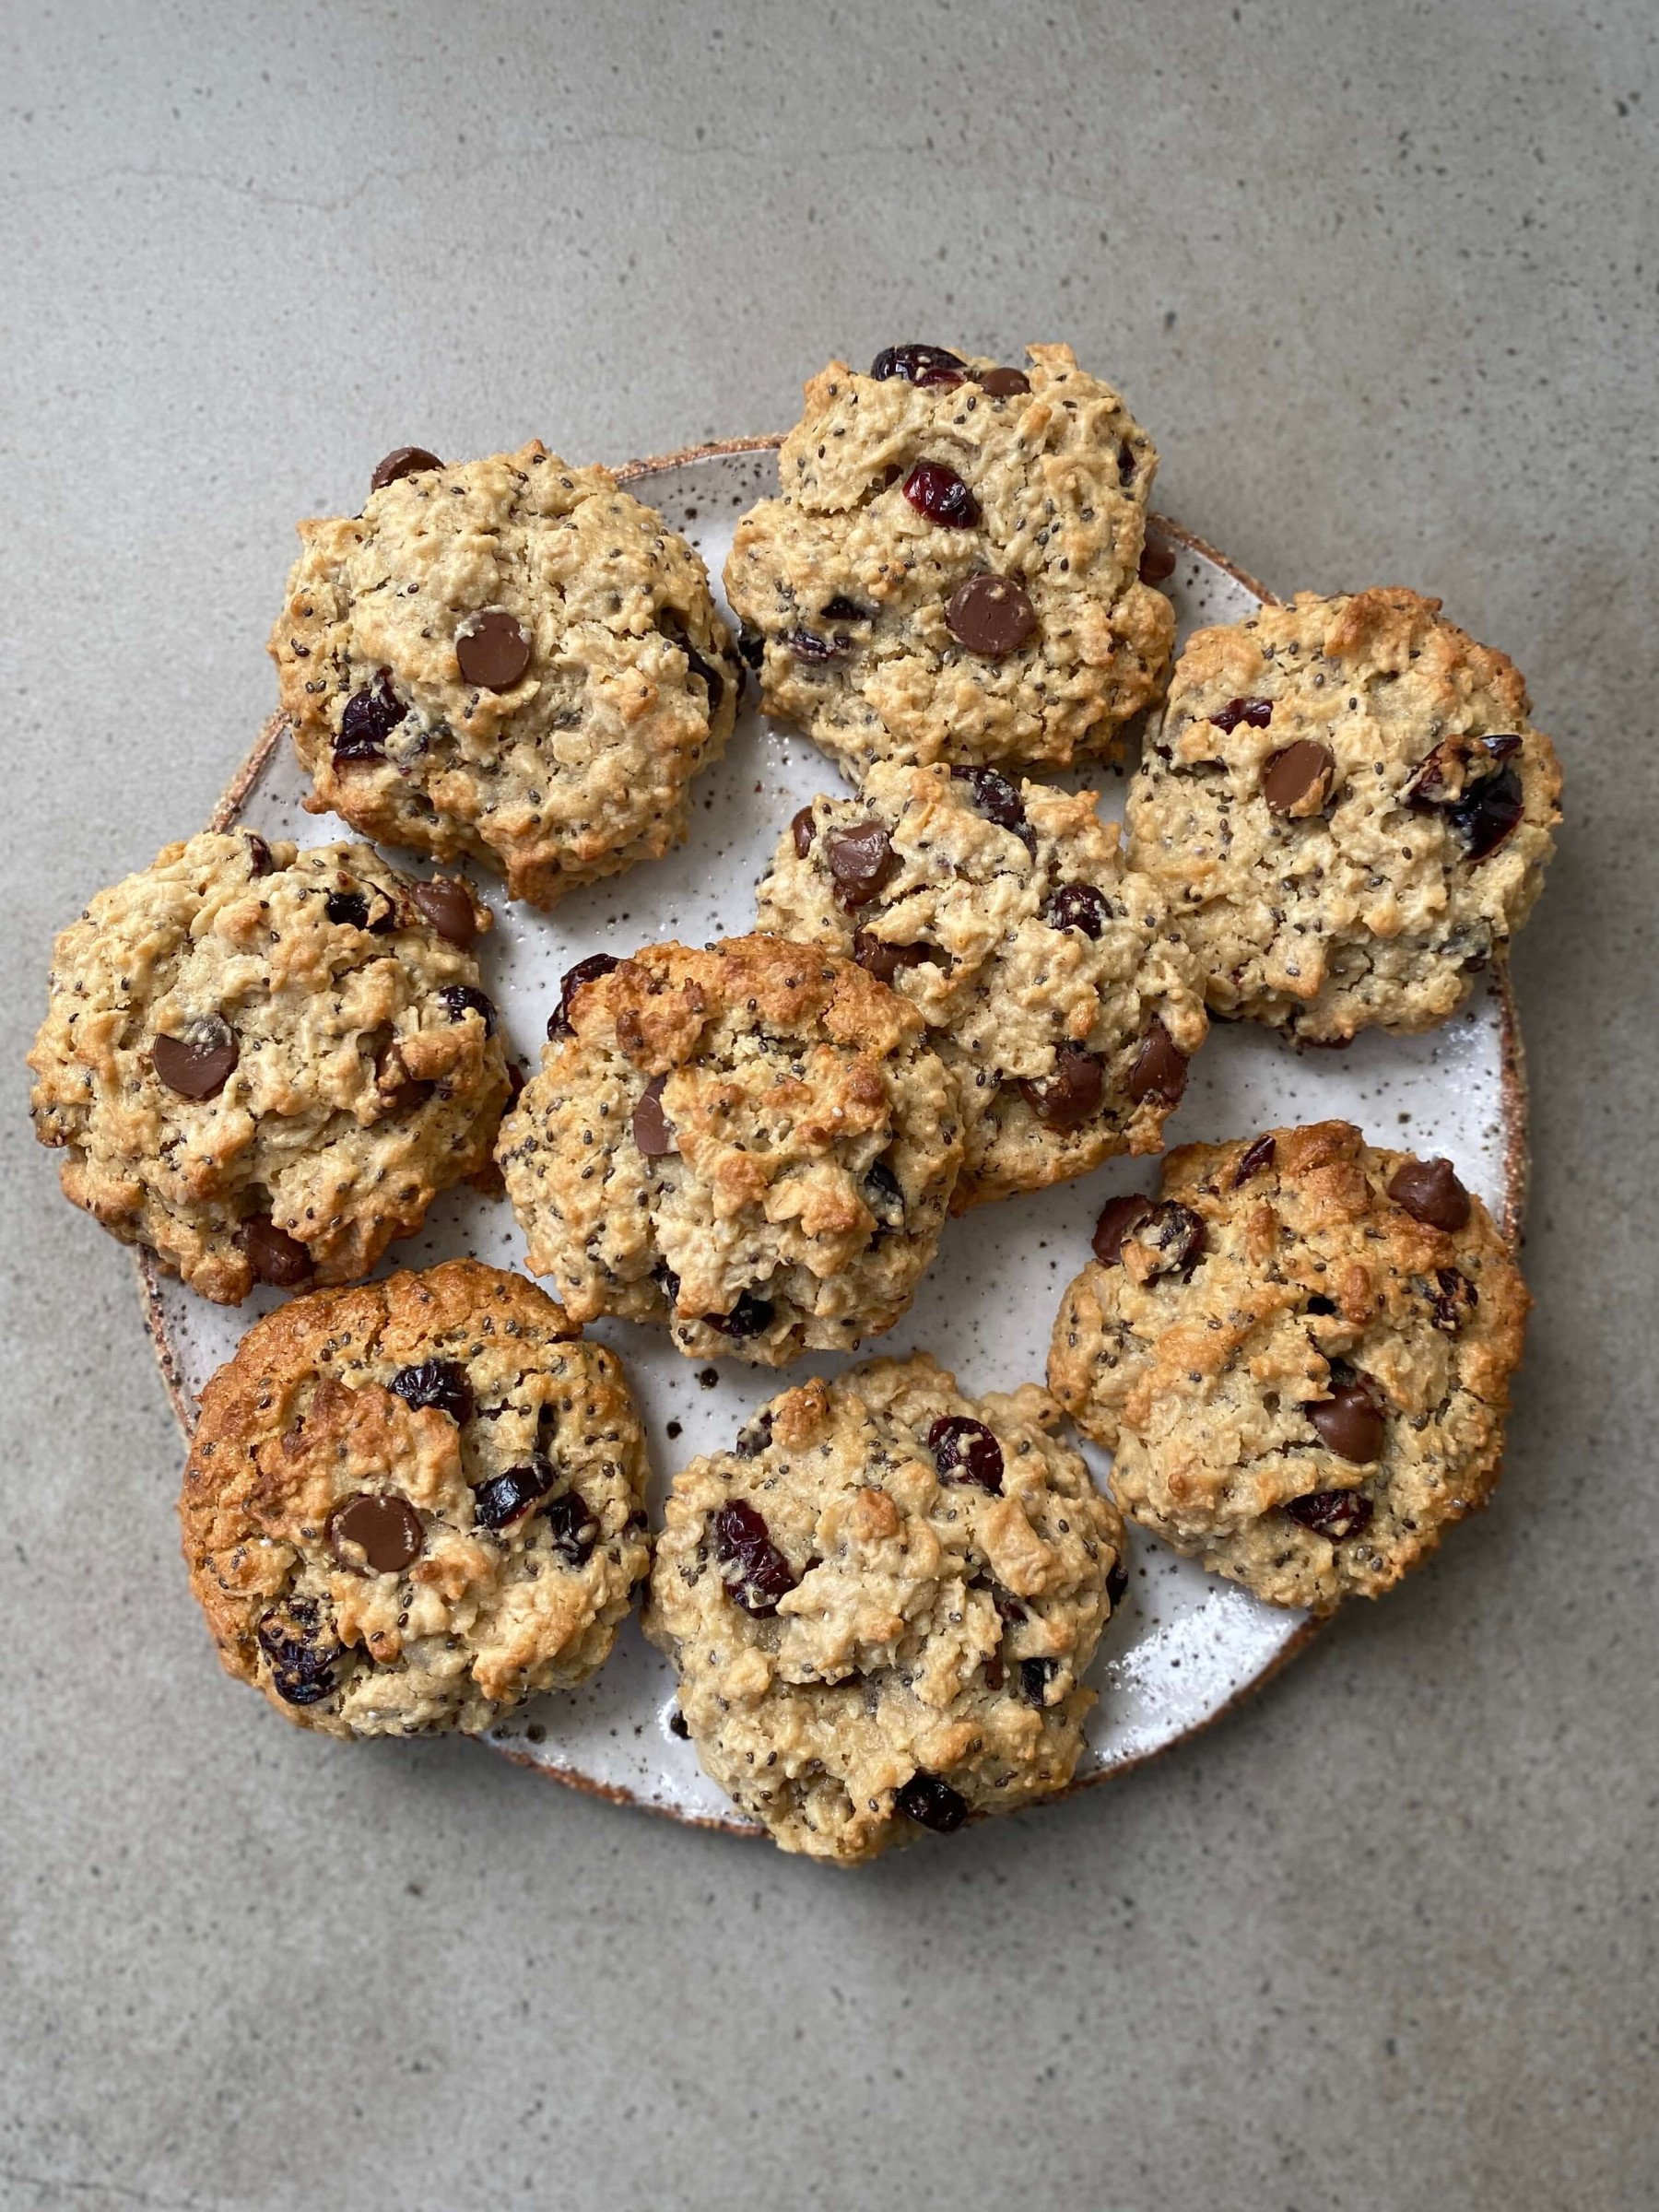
point(1183, 1645)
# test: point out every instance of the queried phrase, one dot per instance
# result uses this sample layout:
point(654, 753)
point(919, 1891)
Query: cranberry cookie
point(410, 1505)
point(1048, 975)
point(1347, 810)
point(753, 1144)
point(1300, 1354)
point(263, 1064)
point(951, 569)
point(512, 659)
point(880, 1605)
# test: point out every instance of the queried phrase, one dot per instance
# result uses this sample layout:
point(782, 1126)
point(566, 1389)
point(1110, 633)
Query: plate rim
point(1516, 1172)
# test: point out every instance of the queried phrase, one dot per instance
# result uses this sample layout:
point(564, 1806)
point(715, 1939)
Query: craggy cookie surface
point(1347, 809)
point(411, 1504)
point(511, 659)
point(262, 1063)
point(1050, 978)
point(753, 1143)
point(951, 569)
point(1300, 1354)
point(880, 1605)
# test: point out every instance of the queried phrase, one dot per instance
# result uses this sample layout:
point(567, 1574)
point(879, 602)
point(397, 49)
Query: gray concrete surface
point(1383, 280)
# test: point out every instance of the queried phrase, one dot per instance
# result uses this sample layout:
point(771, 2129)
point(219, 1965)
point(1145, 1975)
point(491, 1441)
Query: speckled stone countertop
point(1381, 279)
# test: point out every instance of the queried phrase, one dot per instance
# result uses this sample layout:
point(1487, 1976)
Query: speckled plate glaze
point(1184, 1645)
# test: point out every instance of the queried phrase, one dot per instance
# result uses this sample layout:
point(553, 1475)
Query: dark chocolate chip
point(883, 960)
point(507, 1498)
point(755, 1436)
point(441, 1382)
point(574, 1528)
point(274, 1256)
point(843, 609)
point(677, 1726)
point(964, 1450)
point(1431, 1192)
point(448, 907)
point(350, 909)
point(754, 1572)
point(1259, 1156)
point(198, 1067)
point(862, 860)
point(1157, 561)
point(919, 365)
point(1160, 1071)
point(385, 1528)
point(1003, 384)
point(653, 1131)
point(1118, 1217)
point(1296, 775)
point(1066, 1099)
point(493, 650)
point(1035, 1674)
point(1455, 1298)
point(930, 1803)
point(1078, 906)
point(1257, 713)
point(803, 828)
point(1125, 465)
point(1335, 1515)
point(672, 625)
point(940, 494)
point(260, 862)
point(402, 461)
point(466, 998)
point(299, 1645)
point(991, 616)
point(1350, 1422)
point(1174, 1237)
point(751, 1316)
point(1117, 1583)
point(751, 646)
point(584, 971)
point(997, 800)
point(883, 1196)
point(366, 720)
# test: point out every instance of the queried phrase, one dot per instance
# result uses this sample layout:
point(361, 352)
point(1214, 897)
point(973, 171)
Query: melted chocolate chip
point(862, 860)
point(653, 1131)
point(366, 720)
point(1157, 561)
point(940, 494)
point(883, 1196)
point(1485, 817)
point(1431, 1192)
point(441, 1382)
point(463, 999)
point(349, 909)
point(882, 961)
point(919, 365)
point(1350, 1422)
point(1259, 1156)
point(1003, 384)
point(507, 1498)
point(198, 1066)
point(1335, 1515)
point(754, 1572)
point(751, 1316)
point(1118, 1217)
point(1257, 713)
point(1078, 906)
point(1160, 1071)
point(402, 461)
point(585, 972)
point(493, 650)
point(991, 616)
point(448, 907)
point(571, 1524)
point(802, 829)
point(385, 1528)
point(1066, 1099)
point(1035, 1674)
point(964, 1450)
point(931, 1804)
point(299, 1643)
point(997, 800)
point(1174, 1237)
point(1297, 779)
point(274, 1256)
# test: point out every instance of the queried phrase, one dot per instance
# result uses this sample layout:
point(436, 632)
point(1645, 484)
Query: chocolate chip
point(1035, 1674)
point(919, 365)
point(1003, 384)
point(402, 461)
point(366, 720)
point(672, 625)
point(884, 1196)
point(1257, 713)
point(1173, 1235)
point(1009, 1610)
point(1127, 466)
point(507, 1498)
point(964, 1450)
point(1118, 1217)
point(1350, 1422)
point(493, 650)
point(1431, 1192)
point(260, 862)
point(1455, 1298)
point(1297, 779)
point(274, 1256)
point(1321, 1305)
point(862, 860)
point(754, 1570)
point(931, 1804)
point(653, 1131)
point(584, 971)
point(991, 616)
point(1078, 906)
point(1160, 1071)
point(676, 1724)
point(298, 1643)
point(843, 609)
point(751, 645)
point(755, 1436)
point(1335, 1515)
point(1157, 561)
point(803, 828)
point(940, 494)
point(350, 909)
point(1117, 1583)
point(198, 1067)
point(574, 1528)
point(385, 1528)
point(1259, 1156)
point(751, 1316)
point(466, 998)
point(997, 800)
point(448, 906)
point(882, 961)
point(806, 646)
point(1066, 1099)
point(441, 1382)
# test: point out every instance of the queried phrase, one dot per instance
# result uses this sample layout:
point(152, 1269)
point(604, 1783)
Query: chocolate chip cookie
point(1348, 811)
point(1300, 1353)
point(1048, 976)
point(880, 1604)
point(263, 1064)
point(753, 1144)
point(510, 658)
point(950, 571)
point(410, 1505)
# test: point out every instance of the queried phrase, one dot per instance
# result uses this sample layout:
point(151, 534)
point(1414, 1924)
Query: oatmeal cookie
point(1348, 811)
point(1049, 977)
point(510, 658)
point(263, 1064)
point(1300, 1354)
point(880, 1605)
point(752, 1143)
point(951, 571)
point(410, 1505)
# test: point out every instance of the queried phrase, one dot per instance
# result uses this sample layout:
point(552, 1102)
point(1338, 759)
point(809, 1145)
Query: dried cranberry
point(1175, 1235)
point(1456, 1298)
point(350, 909)
point(1125, 465)
point(505, 1497)
point(260, 861)
point(673, 627)
point(1078, 906)
point(441, 1382)
point(754, 1572)
point(751, 646)
point(1117, 1583)
point(367, 719)
point(466, 998)
point(940, 494)
point(997, 800)
point(806, 646)
point(965, 1450)
point(751, 1316)
point(676, 1724)
point(585, 972)
point(1260, 1155)
point(1335, 1515)
point(573, 1527)
point(1035, 1674)
point(843, 609)
point(930, 1803)
point(1257, 713)
point(883, 1196)
point(919, 365)
point(299, 1645)
point(1483, 818)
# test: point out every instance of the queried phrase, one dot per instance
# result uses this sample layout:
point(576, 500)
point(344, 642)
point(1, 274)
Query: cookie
point(1300, 1354)
point(509, 659)
point(1348, 811)
point(410, 1505)
point(752, 1143)
point(1048, 976)
point(263, 1064)
point(880, 1605)
point(950, 571)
